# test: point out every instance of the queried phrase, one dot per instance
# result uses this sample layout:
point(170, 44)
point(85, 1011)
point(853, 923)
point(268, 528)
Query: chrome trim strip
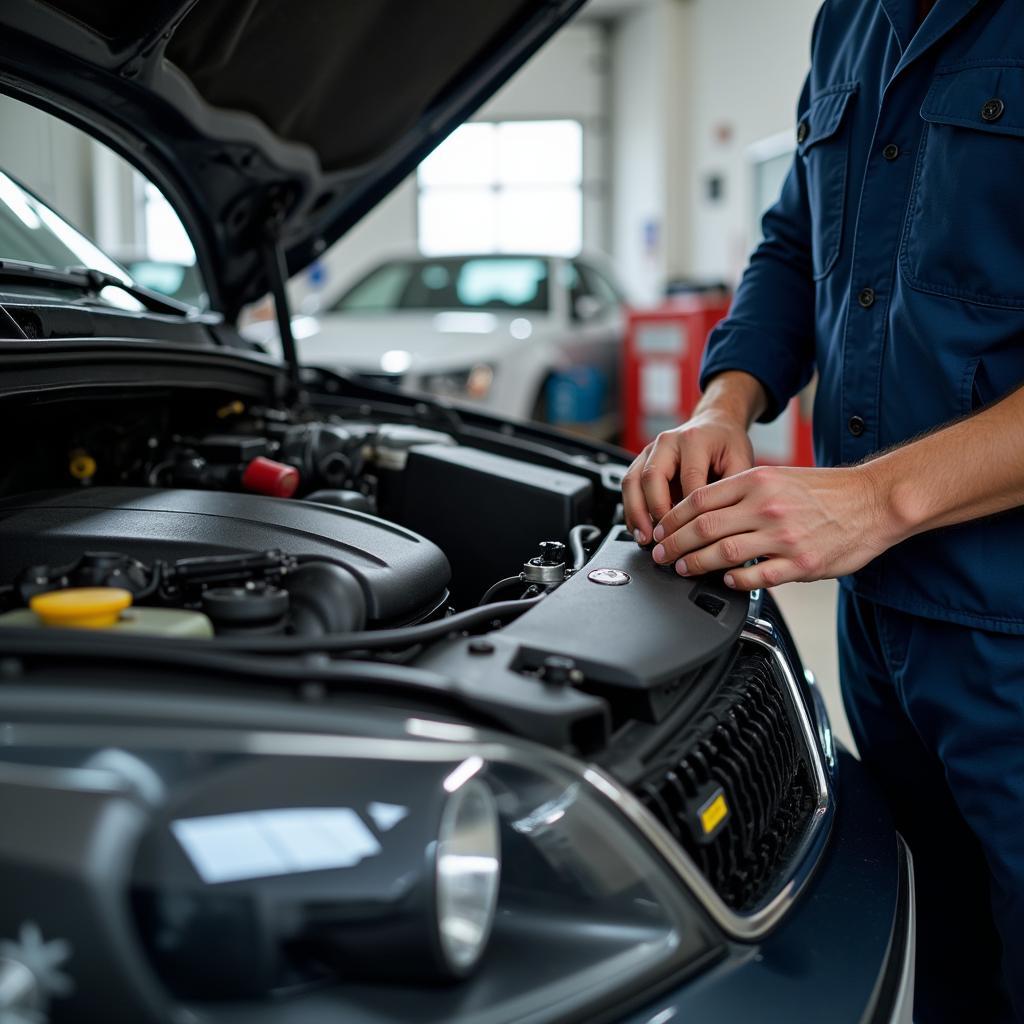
point(903, 1006)
point(824, 723)
point(769, 643)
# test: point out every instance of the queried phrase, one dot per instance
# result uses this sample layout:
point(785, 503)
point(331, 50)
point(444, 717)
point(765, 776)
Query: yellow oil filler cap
point(81, 607)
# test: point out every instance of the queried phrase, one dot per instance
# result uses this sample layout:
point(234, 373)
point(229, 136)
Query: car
point(522, 335)
point(323, 701)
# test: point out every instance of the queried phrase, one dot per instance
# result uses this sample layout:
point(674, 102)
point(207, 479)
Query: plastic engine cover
point(403, 575)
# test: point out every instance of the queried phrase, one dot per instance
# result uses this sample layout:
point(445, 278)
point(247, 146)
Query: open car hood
point(266, 120)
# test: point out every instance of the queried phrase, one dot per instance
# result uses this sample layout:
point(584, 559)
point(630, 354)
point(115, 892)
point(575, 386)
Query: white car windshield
point(515, 283)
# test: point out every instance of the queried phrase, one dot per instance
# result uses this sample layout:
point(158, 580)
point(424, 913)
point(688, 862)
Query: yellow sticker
point(713, 813)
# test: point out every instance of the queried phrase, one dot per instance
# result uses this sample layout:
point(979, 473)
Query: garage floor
point(810, 610)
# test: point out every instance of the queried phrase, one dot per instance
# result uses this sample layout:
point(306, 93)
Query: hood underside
point(268, 120)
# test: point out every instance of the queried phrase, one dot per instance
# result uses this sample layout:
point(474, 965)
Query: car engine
point(406, 522)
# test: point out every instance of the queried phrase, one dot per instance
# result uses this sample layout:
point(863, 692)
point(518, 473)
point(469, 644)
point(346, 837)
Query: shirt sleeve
point(769, 332)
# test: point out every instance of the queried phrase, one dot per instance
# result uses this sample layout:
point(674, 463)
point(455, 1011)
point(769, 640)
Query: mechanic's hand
point(809, 524)
point(713, 444)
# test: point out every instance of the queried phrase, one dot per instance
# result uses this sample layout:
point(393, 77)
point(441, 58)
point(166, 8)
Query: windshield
point(30, 232)
point(68, 203)
point(476, 282)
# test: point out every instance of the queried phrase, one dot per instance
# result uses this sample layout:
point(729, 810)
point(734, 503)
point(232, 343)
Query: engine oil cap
point(608, 577)
point(81, 607)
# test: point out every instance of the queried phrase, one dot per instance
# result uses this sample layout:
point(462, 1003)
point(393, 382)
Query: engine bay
point(268, 532)
point(181, 481)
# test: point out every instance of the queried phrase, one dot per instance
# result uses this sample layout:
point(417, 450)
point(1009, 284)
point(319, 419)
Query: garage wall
point(639, 153)
point(749, 63)
point(566, 79)
point(651, 86)
point(695, 83)
point(50, 157)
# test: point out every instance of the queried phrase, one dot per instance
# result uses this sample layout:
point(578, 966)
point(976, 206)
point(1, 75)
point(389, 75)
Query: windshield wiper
point(92, 282)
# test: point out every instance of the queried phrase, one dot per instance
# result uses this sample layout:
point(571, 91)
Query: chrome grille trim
point(749, 925)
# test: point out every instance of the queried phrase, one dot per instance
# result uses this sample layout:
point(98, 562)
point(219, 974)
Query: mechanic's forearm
point(735, 394)
point(972, 468)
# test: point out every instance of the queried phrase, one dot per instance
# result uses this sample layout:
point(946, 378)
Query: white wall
point(49, 157)
point(566, 79)
point(749, 63)
point(638, 154)
point(651, 144)
point(694, 83)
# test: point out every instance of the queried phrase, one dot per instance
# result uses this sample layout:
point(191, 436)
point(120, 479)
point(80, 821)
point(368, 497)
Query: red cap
point(265, 476)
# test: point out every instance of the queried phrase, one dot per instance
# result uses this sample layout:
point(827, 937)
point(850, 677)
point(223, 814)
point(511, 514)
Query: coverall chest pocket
point(964, 231)
point(824, 148)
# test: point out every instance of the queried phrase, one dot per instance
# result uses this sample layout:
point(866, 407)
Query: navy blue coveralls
point(893, 262)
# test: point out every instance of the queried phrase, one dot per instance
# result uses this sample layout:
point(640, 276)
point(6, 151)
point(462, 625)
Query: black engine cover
point(641, 636)
point(402, 574)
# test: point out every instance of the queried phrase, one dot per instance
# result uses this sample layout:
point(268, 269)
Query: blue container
point(577, 395)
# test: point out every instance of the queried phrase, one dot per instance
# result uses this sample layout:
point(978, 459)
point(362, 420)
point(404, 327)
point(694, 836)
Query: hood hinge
point(277, 276)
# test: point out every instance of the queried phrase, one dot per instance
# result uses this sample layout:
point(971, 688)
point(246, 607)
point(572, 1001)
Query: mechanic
point(893, 263)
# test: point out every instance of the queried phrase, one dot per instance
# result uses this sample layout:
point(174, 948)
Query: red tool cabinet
point(661, 371)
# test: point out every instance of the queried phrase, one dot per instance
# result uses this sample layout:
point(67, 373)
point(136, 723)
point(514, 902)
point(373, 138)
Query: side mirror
point(587, 308)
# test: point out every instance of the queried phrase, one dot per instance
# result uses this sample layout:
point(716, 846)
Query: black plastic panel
point(641, 648)
point(486, 511)
point(641, 635)
point(401, 574)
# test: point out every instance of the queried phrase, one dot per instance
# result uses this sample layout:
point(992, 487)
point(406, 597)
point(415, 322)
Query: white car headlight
point(473, 382)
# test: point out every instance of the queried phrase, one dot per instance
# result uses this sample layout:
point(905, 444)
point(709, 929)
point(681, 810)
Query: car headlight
point(473, 382)
point(389, 879)
point(468, 870)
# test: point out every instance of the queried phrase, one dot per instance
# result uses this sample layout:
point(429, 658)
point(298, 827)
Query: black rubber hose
point(79, 648)
point(578, 537)
point(382, 639)
point(369, 640)
point(498, 587)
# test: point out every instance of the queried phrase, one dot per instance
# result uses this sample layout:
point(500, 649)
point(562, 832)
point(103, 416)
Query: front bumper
point(844, 954)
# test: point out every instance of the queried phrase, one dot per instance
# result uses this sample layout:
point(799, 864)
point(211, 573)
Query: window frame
point(580, 186)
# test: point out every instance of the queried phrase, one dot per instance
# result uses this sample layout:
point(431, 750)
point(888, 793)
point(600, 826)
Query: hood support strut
point(277, 275)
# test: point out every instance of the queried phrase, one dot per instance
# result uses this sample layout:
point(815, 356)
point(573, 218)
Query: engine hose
point(377, 639)
point(498, 587)
point(578, 537)
point(107, 649)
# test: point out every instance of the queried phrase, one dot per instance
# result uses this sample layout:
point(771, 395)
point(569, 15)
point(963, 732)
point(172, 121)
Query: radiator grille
point(744, 747)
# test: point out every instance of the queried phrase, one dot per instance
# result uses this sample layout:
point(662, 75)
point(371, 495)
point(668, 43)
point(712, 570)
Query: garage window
point(507, 186)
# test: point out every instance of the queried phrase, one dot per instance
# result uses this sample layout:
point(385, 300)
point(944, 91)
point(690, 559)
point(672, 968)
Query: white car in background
point(528, 336)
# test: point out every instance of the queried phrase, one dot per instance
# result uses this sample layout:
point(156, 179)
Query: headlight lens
point(362, 872)
point(474, 382)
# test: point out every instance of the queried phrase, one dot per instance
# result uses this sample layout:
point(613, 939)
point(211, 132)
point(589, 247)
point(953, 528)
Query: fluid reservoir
point(105, 608)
